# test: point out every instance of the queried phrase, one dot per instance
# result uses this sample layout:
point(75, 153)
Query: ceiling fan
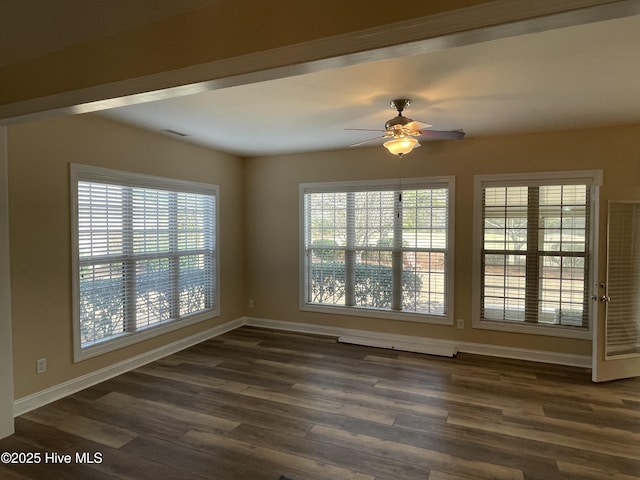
point(402, 131)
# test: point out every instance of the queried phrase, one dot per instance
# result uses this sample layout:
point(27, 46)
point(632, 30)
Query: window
point(534, 249)
point(144, 252)
point(378, 248)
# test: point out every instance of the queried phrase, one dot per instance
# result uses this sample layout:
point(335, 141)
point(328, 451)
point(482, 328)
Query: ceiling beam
point(217, 47)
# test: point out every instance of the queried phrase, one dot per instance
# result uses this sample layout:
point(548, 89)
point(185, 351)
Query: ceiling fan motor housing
point(400, 104)
point(397, 123)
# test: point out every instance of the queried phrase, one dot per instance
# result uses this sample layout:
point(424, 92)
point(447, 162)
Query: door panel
point(617, 342)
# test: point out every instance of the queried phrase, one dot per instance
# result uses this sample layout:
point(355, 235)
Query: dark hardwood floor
point(257, 404)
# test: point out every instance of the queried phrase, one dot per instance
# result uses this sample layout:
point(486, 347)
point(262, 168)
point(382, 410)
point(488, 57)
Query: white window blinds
point(535, 251)
point(378, 246)
point(146, 256)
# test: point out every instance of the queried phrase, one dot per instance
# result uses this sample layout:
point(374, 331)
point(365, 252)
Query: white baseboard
point(39, 399)
point(431, 346)
point(571, 360)
point(361, 337)
point(311, 328)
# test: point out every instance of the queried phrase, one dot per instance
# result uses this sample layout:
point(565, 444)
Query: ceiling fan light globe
point(401, 146)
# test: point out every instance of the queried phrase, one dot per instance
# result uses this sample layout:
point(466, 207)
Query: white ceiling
point(574, 77)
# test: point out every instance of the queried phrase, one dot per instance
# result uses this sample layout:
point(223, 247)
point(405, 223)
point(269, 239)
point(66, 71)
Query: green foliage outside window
point(373, 284)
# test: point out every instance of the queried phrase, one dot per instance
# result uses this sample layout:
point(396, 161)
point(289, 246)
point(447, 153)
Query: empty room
point(319, 240)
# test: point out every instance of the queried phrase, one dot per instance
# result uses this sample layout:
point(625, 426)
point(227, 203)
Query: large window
point(144, 251)
point(534, 250)
point(378, 248)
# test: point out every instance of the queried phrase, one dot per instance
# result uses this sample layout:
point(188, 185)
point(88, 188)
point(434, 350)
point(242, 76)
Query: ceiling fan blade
point(442, 134)
point(418, 125)
point(370, 140)
point(365, 129)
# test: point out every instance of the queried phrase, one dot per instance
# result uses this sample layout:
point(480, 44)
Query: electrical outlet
point(251, 304)
point(41, 365)
point(460, 323)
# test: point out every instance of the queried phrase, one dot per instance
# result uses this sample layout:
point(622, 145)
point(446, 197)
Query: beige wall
point(259, 228)
point(273, 228)
point(39, 216)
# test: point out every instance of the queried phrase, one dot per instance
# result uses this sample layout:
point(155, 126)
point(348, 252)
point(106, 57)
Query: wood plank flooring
point(257, 404)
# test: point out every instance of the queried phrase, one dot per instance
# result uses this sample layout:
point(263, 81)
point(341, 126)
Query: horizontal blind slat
point(146, 256)
point(536, 232)
point(360, 246)
point(623, 278)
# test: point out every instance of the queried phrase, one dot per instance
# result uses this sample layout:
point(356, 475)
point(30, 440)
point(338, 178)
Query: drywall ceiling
point(562, 78)
point(574, 77)
point(29, 28)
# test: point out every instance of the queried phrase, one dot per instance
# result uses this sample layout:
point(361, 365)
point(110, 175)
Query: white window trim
point(80, 172)
point(593, 178)
point(436, 182)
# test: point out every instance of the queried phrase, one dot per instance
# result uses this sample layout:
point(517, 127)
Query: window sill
point(534, 329)
point(384, 314)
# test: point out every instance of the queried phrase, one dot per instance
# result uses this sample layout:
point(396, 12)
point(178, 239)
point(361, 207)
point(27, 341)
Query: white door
point(6, 356)
point(616, 345)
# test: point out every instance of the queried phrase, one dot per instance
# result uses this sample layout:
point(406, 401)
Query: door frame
point(6, 339)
